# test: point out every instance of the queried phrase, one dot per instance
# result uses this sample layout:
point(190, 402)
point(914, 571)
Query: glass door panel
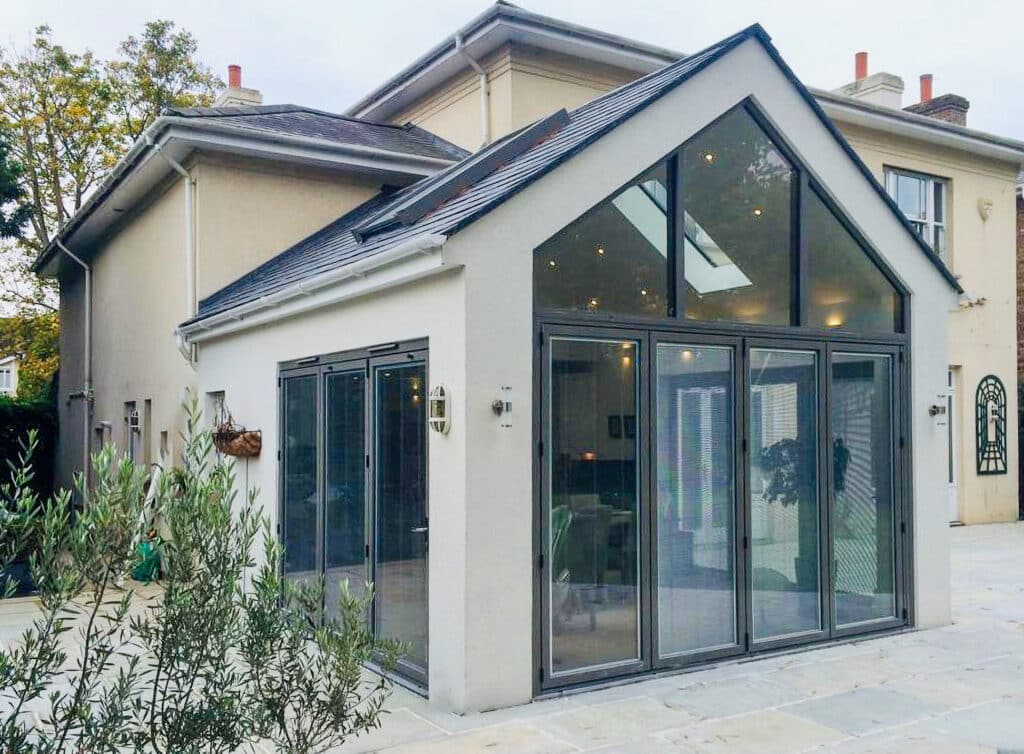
point(300, 485)
point(863, 503)
point(783, 486)
point(400, 567)
point(593, 504)
point(345, 484)
point(696, 500)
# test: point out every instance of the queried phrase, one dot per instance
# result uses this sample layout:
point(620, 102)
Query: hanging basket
point(232, 440)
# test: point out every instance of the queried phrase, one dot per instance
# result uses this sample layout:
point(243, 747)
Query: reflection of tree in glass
point(782, 462)
point(733, 170)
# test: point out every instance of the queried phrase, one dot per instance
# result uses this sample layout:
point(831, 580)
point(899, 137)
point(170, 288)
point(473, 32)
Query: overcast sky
point(327, 54)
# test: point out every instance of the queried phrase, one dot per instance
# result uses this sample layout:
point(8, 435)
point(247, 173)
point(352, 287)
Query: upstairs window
point(922, 199)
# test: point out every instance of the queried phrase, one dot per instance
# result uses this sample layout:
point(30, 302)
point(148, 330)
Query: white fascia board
point(303, 149)
point(411, 260)
point(480, 42)
point(900, 125)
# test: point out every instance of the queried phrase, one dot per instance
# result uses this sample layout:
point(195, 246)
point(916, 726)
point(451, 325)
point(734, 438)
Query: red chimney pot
point(235, 76)
point(860, 66)
point(926, 87)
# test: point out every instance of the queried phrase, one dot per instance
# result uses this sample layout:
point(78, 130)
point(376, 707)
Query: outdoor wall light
point(439, 415)
point(502, 407)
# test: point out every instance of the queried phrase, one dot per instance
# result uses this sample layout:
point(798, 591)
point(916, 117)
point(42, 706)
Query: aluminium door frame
point(545, 679)
point(740, 583)
point(412, 357)
point(284, 376)
point(821, 458)
point(329, 369)
point(899, 506)
point(823, 342)
point(320, 367)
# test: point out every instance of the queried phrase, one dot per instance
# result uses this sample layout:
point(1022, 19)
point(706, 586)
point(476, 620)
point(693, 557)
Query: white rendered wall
point(245, 366)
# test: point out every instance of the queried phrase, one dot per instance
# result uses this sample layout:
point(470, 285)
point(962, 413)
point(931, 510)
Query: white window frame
point(929, 227)
point(6, 381)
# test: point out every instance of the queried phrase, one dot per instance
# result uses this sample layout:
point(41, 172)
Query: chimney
point(237, 95)
point(951, 108)
point(860, 66)
point(926, 87)
point(882, 89)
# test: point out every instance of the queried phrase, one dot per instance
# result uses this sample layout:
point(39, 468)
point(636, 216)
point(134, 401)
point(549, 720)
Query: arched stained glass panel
point(990, 420)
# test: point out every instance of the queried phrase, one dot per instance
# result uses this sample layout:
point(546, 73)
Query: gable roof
point(377, 226)
point(283, 132)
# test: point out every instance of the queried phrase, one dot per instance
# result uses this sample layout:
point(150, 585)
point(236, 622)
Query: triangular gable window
point(710, 235)
point(737, 189)
point(846, 289)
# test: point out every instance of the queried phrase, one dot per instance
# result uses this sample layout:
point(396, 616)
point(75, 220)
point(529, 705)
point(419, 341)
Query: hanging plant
point(235, 440)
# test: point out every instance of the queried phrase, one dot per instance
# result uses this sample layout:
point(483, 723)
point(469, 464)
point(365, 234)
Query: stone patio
point(955, 690)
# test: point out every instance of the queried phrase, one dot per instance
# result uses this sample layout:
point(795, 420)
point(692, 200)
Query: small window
point(846, 289)
point(6, 381)
point(922, 199)
point(614, 258)
point(738, 243)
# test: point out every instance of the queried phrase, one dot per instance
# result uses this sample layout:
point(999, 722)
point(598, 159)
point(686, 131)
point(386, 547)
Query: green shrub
point(17, 419)
point(196, 664)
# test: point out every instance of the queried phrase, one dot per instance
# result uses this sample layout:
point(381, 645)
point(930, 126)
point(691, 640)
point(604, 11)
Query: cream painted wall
point(245, 214)
point(982, 339)
point(544, 81)
point(481, 338)
point(138, 293)
point(249, 211)
point(525, 83)
point(453, 110)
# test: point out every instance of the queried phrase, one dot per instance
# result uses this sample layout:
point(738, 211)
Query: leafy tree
point(69, 116)
point(158, 70)
point(54, 104)
point(198, 665)
point(37, 339)
point(14, 211)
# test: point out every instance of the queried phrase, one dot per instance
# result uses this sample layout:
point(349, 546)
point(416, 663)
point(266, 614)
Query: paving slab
point(510, 738)
point(616, 722)
point(864, 710)
point(763, 732)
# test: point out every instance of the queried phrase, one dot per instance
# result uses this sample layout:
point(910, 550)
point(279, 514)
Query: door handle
point(418, 529)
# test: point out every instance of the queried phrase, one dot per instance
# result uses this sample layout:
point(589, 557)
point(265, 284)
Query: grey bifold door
point(354, 489)
point(705, 496)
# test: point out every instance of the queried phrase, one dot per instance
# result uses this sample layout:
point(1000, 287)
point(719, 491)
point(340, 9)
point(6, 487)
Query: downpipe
point(183, 347)
point(485, 110)
point(87, 392)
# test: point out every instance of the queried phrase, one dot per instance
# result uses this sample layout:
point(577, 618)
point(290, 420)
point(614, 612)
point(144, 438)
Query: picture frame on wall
point(615, 427)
